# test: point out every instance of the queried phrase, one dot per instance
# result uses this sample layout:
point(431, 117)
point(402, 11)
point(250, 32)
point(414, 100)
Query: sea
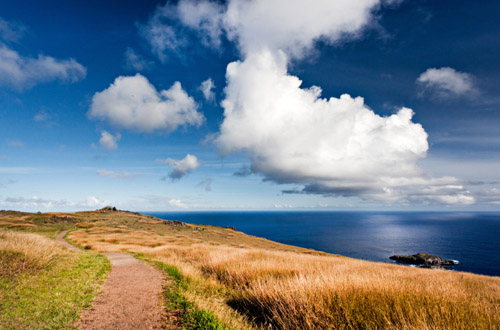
point(469, 237)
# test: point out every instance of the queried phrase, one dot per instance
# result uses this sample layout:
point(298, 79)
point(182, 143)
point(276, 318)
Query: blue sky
point(203, 105)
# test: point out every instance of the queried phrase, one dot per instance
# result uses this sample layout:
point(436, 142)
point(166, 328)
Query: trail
point(60, 239)
point(130, 298)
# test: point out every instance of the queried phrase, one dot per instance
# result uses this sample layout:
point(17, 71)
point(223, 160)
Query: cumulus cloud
point(134, 103)
point(21, 72)
point(136, 62)
point(109, 141)
point(94, 202)
point(446, 82)
point(206, 88)
point(177, 203)
point(113, 174)
point(182, 167)
point(331, 146)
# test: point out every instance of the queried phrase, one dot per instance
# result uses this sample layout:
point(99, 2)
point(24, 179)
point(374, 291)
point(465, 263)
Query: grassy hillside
point(252, 283)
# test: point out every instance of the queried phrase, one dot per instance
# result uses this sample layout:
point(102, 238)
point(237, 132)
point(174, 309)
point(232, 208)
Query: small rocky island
point(424, 260)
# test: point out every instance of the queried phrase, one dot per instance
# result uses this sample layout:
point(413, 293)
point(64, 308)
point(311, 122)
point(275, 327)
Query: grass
point(192, 318)
point(45, 286)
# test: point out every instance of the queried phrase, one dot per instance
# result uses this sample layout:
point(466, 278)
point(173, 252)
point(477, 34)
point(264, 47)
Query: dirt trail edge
point(60, 239)
point(130, 298)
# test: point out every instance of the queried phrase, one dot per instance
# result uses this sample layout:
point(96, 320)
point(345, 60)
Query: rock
point(424, 260)
point(174, 223)
point(109, 208)
point(58, 219)
point(231, 228)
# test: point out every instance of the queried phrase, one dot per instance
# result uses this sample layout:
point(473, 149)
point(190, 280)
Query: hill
point(248, 282)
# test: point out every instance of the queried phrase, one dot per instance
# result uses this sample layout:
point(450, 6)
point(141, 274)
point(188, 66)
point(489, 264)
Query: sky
point(250, 105)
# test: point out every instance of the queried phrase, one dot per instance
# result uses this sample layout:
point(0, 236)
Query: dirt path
point(60, 239)
point(130, 298)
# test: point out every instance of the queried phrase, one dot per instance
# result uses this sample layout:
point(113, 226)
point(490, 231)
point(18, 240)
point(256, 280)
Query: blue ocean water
point(471, 238)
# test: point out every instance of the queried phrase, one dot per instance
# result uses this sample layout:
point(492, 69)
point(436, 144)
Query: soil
point(130, 298)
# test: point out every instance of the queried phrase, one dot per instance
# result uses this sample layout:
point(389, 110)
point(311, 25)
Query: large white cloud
point(133, 103)
point(21, 72)
point(446, 83)
point(334, 146)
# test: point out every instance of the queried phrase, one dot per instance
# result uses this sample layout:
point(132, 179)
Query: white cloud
point(136, 62)
point(35, 202)
point(182, 167)
point(283, 206)
point(177, 203)
point(94, 202)
point(20, 72)
point(446, 82)
point(205, 16)
point(133, 103)
point(206, 88)
point(161, 31)
point(162, 37)
point(335, 146)
point(331, 146)
point(109, 141)
point(113, 174)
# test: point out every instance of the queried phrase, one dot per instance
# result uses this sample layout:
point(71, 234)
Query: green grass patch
point(52, 298)
point(192, 317)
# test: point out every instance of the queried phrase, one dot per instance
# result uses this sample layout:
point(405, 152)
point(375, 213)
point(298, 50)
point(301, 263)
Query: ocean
point(471, 238)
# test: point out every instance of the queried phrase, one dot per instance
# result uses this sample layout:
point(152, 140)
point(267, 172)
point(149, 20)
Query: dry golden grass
point(26, 253)
point(296, 290)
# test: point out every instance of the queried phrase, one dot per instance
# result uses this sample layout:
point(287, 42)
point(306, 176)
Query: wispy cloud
point(41, 116)
point(21, 72)
point(244, 170)
point(136, 62)
point(113, 174)
point(206, 184)
point(11, 31)
point(206, 88)
point(15, 143)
